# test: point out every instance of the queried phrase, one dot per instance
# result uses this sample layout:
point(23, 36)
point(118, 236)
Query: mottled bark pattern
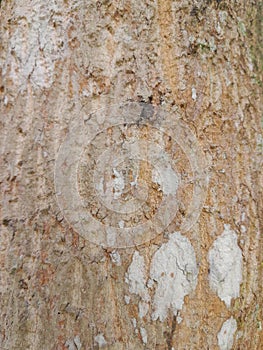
point(200, 59)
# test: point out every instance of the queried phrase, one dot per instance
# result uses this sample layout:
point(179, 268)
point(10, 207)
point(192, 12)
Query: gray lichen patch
point(226, 335)
point(175, 270)
point(225, 259)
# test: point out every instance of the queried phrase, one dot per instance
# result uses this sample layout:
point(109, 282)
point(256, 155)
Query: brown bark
point(61, 59)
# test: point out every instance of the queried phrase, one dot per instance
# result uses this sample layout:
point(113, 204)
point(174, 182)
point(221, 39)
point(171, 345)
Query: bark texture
point(199, 59)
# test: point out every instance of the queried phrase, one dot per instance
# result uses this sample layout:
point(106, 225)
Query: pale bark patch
point(100, 340)
point(226, 335)
point(225, 258)
point(175, 270)
point(136, 277)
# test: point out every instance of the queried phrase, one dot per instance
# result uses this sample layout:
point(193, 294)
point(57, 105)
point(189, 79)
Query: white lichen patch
point(73, 344)
point(35, 49)
point(136, 277)
point(121, 224)
point(143, 335)
point(115, 257)
point(226, 335)
point(167, 178)
point(179, 319)
point(174, 269)
point(77, 342)
point(194, 96)
point(225, 259)
point(127, 299)
point(119, 184)
point(134, 322)
point(70, 344)
point(100, 340)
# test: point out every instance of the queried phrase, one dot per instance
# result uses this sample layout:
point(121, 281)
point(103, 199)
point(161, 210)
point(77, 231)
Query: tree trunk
point(131, 157)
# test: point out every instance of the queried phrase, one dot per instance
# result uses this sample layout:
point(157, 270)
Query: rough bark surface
point(198, 59)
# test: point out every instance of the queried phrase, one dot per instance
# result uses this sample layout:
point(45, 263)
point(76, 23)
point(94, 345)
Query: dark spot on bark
point(194, 11)
point(22, 284)
point(169, 336)
point(6, 221)
point(192, 49)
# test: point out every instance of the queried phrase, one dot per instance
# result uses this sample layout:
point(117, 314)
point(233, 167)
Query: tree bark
point(197, 67)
